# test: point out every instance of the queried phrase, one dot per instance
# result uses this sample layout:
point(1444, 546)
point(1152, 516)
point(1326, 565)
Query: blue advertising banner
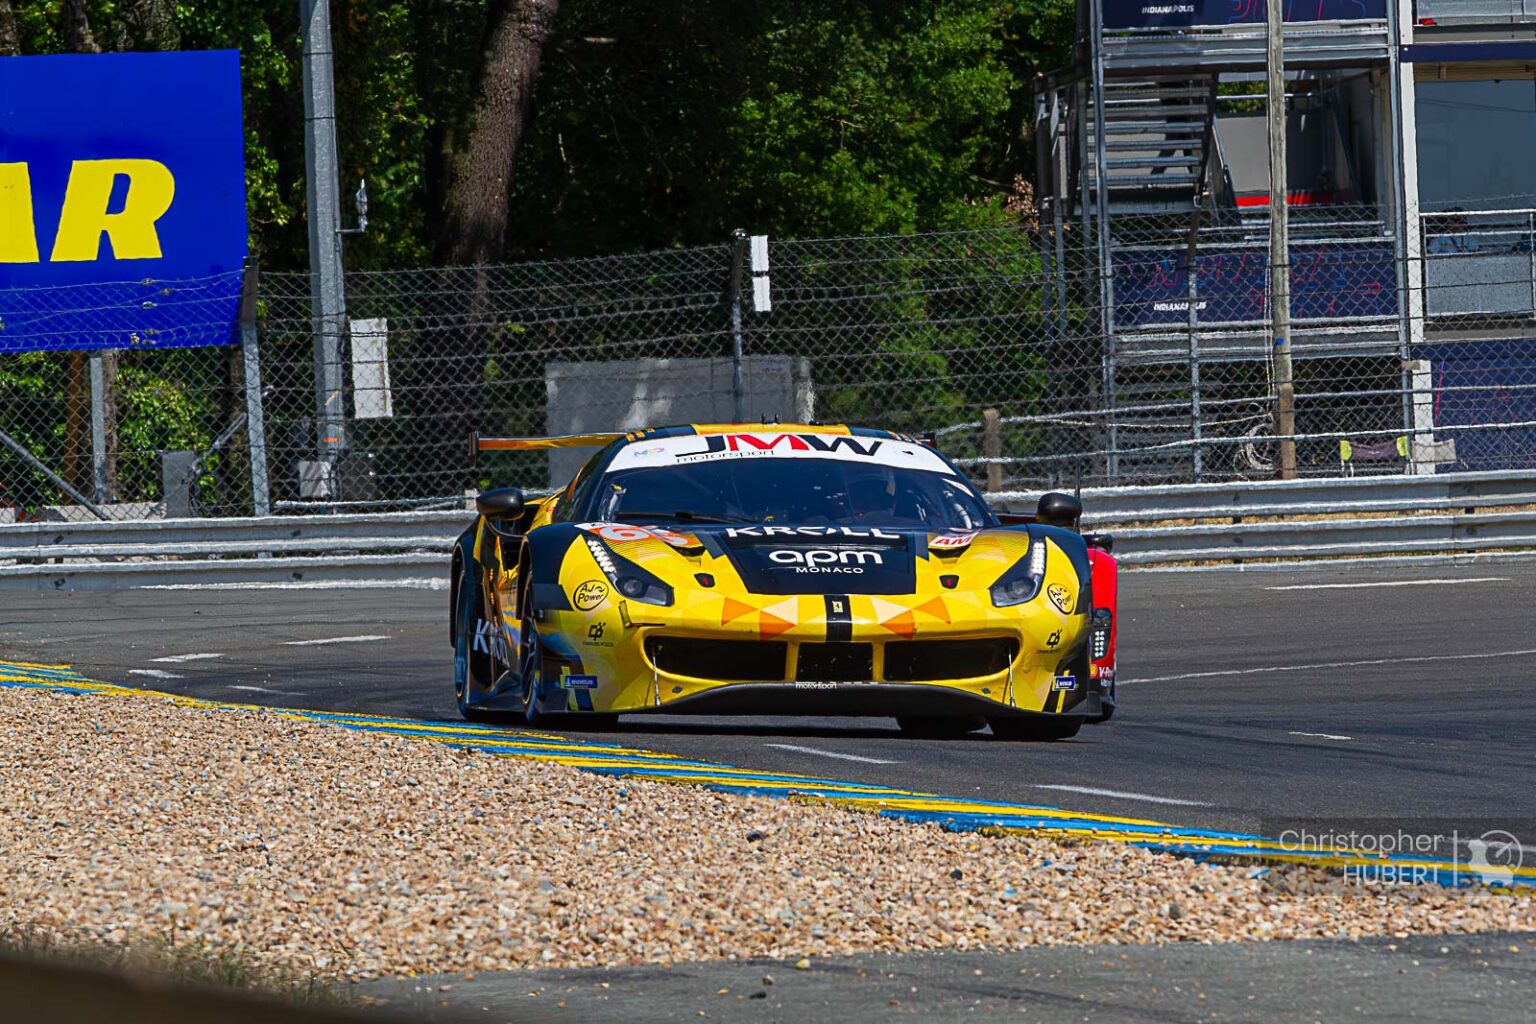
point(1187, 13)
point(1328, 282)
point(122, 201)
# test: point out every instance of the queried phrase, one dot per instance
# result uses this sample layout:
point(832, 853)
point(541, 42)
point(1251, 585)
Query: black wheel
point(532, 685)
point(1106, 715)
point(940, 727)
point(474, 671)
point(1037, 728)
point(533, 677)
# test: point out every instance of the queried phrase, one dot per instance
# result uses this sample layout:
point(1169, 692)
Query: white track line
point(177, 659)
point(1323, 735)
point(1331, 664)
point(1118, 795)
point(334, 640)
point(829, 753)
point(153, 673)
point(1392, 583)
point(408, 584)
point(263, 689)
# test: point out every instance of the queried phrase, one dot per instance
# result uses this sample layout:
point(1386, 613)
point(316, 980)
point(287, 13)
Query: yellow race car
point(770, 569)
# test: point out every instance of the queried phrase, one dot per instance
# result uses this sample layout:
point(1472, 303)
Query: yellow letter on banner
point(18, 238)
point(132, 230)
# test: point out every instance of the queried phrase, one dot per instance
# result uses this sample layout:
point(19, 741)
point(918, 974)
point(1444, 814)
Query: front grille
point(908, 661)
point(836, 663)
point(760, 660)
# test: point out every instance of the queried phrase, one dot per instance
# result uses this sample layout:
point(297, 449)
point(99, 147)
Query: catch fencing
point(82, 432)
point(1007, 346)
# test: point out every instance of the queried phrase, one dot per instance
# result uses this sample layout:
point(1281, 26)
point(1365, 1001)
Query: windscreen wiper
point(684, 516)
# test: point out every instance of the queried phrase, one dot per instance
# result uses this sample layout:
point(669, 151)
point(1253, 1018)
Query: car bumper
point(854, 699)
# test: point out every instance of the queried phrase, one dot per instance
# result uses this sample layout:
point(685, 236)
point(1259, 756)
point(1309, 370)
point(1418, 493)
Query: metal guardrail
point(1287, 521)
point(1263, 523)
point(393, 547)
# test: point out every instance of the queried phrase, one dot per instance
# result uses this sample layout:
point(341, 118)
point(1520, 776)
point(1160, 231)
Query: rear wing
point(479, 443)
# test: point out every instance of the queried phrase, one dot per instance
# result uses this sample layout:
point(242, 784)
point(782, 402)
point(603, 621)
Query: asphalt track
point(1418, 980)
point(1249, 701)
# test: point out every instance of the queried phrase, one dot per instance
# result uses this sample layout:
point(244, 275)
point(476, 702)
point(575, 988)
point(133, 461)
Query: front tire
point(533, 676)
point(474, 671)
point(533, 687)
point(1037, 728)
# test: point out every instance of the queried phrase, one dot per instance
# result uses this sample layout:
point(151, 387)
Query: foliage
point(795, 119)
point(657, 124)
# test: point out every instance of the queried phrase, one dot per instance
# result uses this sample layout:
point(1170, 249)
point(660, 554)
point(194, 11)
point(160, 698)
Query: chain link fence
point(1009, 347)
point(106, 411)
point(916, 333)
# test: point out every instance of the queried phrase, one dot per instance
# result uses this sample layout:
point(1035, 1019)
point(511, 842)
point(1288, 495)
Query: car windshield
point(800, 491)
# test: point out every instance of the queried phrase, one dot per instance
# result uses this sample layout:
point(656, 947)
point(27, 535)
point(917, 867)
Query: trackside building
point(1412, 194)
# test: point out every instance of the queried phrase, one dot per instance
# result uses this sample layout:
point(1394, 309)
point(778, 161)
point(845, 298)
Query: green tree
point(665, 122)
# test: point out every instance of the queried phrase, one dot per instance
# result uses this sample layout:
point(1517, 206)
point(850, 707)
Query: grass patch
point(181, 963)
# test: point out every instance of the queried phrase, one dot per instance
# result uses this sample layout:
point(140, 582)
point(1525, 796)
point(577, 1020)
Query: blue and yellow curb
point(952, 814)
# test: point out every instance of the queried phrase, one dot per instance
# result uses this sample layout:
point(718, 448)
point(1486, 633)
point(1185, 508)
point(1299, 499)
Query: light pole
point(1279, 245)
point(327, 283)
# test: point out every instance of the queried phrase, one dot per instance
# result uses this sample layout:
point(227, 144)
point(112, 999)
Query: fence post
point(99, 483)
point(992, 447)
point(738, 269)
point(255, 417)
point(1192, 271)
point(1530, 257)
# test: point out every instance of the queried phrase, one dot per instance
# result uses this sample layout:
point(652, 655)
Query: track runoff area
point(1374, 720)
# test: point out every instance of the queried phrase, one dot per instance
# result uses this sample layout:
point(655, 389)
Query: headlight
point(627, 578)
point(1022, 582)
point(650, 590)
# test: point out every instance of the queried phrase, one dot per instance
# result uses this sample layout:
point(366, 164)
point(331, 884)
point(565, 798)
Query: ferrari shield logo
point(1061, 597)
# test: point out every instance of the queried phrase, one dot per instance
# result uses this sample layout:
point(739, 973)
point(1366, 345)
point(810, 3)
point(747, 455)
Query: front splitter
point(887, 700)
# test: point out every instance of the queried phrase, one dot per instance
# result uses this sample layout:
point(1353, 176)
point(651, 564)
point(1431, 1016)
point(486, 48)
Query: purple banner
point(1327, 282)
point(1186, 13)
point(1485, 382)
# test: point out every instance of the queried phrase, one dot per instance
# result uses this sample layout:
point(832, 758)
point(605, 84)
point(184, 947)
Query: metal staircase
point(1157, 138)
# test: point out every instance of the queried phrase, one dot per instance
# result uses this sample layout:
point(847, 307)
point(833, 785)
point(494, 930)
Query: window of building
point(1477, 144)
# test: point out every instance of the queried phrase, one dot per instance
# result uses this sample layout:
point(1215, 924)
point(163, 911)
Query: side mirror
point(501, 503)
point(1057, 509)
point(1105, 542)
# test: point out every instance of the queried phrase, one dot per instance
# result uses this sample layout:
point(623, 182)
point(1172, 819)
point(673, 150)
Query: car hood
point(828, 559)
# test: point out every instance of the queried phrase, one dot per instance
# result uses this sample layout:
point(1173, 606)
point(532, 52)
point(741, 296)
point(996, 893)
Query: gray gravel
point(358, 855)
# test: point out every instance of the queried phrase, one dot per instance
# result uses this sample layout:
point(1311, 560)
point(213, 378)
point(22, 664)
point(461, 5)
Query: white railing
point(1462, 12)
